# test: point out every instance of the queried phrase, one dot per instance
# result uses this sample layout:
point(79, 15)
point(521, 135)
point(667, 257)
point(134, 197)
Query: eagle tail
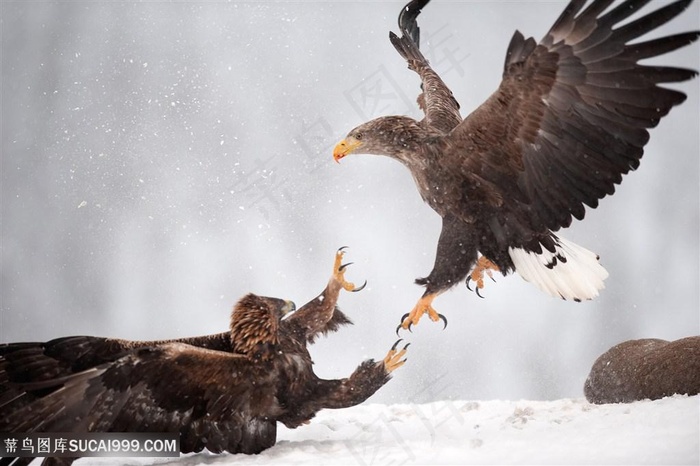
point(569, 272)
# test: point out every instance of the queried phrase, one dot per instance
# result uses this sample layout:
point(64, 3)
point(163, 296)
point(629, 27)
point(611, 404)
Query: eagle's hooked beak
point(288, 307)
point(345, 147)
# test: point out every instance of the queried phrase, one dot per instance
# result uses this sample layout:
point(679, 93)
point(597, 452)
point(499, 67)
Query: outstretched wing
point(440, 107)
point(215, 399)
point(315, 318)
point(571, 114)
point(61, 357)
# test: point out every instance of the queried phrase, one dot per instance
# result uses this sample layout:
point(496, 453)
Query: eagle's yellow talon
point(339, 272)
point(483, 266)
point(393, 360)
point(338, 261)
point(423, 306)
point(432, 313)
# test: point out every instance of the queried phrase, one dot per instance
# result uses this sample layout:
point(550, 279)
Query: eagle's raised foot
point(424, 306)
point(393, 360)
point(483, 266)
point(339, 272)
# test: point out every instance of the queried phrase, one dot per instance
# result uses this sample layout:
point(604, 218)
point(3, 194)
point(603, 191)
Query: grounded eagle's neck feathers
point(254, 328)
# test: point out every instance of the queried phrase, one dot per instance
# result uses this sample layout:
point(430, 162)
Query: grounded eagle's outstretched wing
point(571, 114)
point(440, 107)
point(217, 400)
point(62, 357)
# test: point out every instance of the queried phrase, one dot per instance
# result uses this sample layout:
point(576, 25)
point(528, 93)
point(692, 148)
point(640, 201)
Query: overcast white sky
point(160, 160)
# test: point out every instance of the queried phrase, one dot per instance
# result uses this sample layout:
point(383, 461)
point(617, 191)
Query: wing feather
point(437, 101)
point(576, 108)
point(215, 399)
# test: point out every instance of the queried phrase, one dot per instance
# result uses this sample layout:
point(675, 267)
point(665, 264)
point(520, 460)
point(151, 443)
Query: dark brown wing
point(440, 107)
point(408, 24)
point(315, 318)
point(572, 112)
point(64, 356)
point(216, 400)
point(37, 362)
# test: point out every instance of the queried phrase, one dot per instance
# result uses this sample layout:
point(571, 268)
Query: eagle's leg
point(423, 306)
point(393, 360)
point(339, 272)
point(483, 266)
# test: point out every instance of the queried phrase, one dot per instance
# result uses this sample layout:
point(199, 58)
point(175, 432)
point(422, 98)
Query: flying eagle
point(570, 117)
point(223, 392)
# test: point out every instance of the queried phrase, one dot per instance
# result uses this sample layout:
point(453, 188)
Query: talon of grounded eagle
point(393, 360)
point(339, 272)
point(479, 294)
point(467, 283)
point(360, 288)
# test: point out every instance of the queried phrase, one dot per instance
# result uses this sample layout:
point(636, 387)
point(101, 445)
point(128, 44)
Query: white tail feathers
point(572, 272)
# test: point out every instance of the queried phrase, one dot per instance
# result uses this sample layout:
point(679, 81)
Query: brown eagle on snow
point(223, 392)
point(569, 118)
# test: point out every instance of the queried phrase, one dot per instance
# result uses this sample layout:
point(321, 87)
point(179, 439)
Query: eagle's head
point(255, 325)
point(393, 136)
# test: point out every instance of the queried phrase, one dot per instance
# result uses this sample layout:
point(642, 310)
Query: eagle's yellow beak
point(345, 147)
point(288, 307)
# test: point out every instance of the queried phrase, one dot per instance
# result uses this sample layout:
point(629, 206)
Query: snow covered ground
point(567, 431)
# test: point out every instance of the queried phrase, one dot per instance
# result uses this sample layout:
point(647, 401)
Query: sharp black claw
point(406, 346)
point(396, 344)
point(444, 319)
point(467, 283)
point(477, 293)
point(341, 248)
point(342, 267)
point(492, 279)
point(401, 324)
point(360, 288)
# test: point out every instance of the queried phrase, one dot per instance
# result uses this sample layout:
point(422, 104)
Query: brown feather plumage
point(223, 392)
point(569, 118)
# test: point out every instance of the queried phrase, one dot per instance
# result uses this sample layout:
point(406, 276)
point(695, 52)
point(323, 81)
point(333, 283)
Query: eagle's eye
point(358, 136)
